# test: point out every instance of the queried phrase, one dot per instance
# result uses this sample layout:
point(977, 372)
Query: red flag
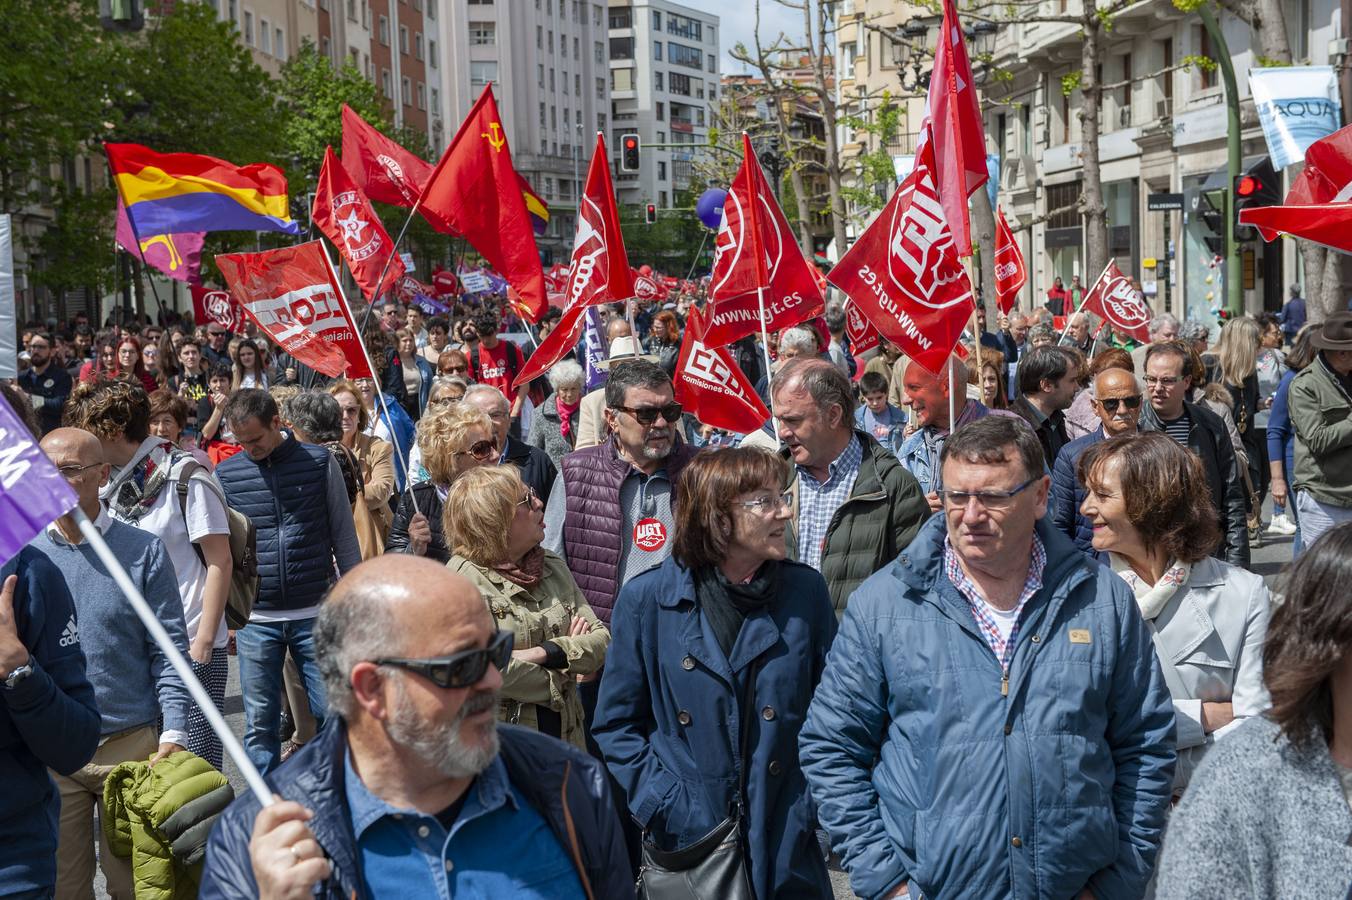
point(599, 270)
point(1010, 272)
point(863, 336)
point(710, 384)
point(214, 305)
point(756, 249)
point(957, 132)
point(344, 215)
point(381, 168)
point(556, 345)
point(474, 190)
point(1329, 224)
point(1113, 299)
point(645, 288)
point(903, 273)
point(1327, 176)
point(293, 296)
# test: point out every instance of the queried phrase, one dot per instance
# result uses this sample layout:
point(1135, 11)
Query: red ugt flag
point(344, 215)
point(293, 296)
point(756, 249)
point(955, 120)
point(1113, 299)
point(1011, 274)
point(382, 169)
point(863, 336)
point(710, 384)
point(903, 273)
point(474, 191)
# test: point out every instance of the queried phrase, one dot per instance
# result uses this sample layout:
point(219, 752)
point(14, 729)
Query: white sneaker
point(1281, 525)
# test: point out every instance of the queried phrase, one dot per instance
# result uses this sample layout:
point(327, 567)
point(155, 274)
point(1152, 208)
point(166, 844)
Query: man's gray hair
point(357, 628)
point(487, 390)
point(835, 318)
point(799, 339)
point(565, 373)
point(316, 415)
point(1193, 330)
point(822, 381)
point(1161, 322)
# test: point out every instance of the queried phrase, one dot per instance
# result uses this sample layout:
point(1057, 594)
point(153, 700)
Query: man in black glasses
point(1117, 402)
point(417, 791)
point(992, 720)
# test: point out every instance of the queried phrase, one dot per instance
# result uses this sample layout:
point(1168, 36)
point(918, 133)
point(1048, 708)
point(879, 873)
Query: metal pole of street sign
point(1234, 295)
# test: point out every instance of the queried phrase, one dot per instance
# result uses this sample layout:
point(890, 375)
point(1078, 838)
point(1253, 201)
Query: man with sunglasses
point(992, 720)
point(1117, 401)
point(417, 791)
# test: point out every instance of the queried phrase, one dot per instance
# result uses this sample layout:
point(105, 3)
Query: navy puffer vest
point(595, 525)
point(286, 496)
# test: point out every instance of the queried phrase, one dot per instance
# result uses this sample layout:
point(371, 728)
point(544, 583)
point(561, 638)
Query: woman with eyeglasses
point(376, 460)
point(495, 525)
point(715, 657)
point(1150, 508)
point(452, 441)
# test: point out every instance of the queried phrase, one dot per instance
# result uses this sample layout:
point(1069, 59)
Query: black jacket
point(430, 505)
point(1051, 431)
point(537, 469)
point(564, 785)
point(1209, 439)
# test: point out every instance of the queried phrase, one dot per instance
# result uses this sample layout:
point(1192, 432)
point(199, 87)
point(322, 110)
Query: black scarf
point(726, 605)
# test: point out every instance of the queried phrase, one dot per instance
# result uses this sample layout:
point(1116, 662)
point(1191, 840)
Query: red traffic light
point(651, 213)
point(1246, 186)
point(630, 143)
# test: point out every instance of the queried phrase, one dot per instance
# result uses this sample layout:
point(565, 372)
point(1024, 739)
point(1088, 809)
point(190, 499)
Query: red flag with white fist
point(710, 384)
point(215, 305)
point(1115, 299)
point(903, 273)
point(1011, 273)
point(344, 215)
point(293, 295)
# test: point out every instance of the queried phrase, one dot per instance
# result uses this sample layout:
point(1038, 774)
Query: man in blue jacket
point(992, 721)
point(416, 791)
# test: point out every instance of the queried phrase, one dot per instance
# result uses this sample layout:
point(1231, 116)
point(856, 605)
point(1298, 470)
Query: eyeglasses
point(988, 499)
point(69, 472)
point(442, 401)
point(480, 450)
point(1166, 381)
point(1111, 403)
point(530, 498)
point(459, 670)
point(767, 503)
point(647, 415)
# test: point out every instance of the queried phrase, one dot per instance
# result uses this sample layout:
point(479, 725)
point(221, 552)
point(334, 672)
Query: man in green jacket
point(854, 507)
point(1321, 412)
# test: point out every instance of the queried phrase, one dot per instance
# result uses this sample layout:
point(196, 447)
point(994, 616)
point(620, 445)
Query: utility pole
point(1234, 294)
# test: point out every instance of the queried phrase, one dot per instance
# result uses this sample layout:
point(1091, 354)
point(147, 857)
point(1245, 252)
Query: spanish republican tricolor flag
point(169, 193)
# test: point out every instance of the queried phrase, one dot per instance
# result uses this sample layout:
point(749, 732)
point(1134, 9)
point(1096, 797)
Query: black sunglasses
point(480, 450)
point(1111, 403)
point(459, 670)
point(647, 415)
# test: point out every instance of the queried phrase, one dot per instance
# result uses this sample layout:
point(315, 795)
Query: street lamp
point(772, 159)
point(912, 50)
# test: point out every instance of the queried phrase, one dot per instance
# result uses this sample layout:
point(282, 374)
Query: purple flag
point(429, 306)
point(177, 255)
point(32, 492)
point(594, 349)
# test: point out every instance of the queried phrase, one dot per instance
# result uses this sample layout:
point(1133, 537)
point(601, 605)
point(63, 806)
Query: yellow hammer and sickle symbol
point(174, 259)
point(495, 140)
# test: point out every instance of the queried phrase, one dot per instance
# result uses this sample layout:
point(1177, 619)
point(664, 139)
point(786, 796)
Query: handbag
point(713, 867)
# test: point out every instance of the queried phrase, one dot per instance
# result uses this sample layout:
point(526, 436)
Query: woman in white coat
point(1148, 502)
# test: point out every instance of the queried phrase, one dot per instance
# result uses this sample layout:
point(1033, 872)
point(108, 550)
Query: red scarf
point(566, 411)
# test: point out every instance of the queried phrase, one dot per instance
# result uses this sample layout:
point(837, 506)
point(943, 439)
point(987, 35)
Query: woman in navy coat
point(723, 635)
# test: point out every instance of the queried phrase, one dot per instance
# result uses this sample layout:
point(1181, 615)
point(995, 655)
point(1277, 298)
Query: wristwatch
point(19, 674)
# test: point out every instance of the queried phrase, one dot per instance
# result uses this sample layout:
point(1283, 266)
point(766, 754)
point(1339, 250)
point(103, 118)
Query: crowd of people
point(986, 632)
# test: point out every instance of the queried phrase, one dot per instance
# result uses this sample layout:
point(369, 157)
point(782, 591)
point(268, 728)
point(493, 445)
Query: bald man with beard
point(414, 789)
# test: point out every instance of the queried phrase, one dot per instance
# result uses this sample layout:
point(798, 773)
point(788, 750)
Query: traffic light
point(1256, 187)
point(629, 153)
point(1210, 209)
point(650, 213)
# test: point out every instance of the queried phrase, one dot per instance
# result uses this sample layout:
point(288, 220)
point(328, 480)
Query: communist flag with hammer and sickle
point(474, 190)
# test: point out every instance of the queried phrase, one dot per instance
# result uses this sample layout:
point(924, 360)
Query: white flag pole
point(765, 350)
point(175, 657)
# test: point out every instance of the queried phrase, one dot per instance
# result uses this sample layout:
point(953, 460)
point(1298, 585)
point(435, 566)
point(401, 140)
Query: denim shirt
point(498, 846)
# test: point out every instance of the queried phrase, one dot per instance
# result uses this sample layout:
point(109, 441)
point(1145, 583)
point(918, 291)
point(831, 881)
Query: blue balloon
point(709, 207)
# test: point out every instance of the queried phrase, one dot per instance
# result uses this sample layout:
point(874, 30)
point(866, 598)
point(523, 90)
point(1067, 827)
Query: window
point(713, 39)
point(600, 121)
point(483, 34)
point(563, 45)
point(325, 47)
point(621, 17)
point(540, 75)
point(661, 111)
point(432, 53)
point(418, 45)
point(657, 50)
point(678, 84)
point(577, 85)
point(406, 91)
point(657, 81)
point(621, 48)
point(264, 36)
point(539, 37)
point(471, 3)
point(232, 10)
point(684, 27)
point(385, 84)
point(621, 79)
point(482, 73)
point(680, 55)
point(422, 96)
point(661, 171)
point(248, 29)
point(279, 43)
point(599, 51)
point(713, 63)
point(549, 40)
point(383, 30)
point(432, 8)
point(551, 80)
point(403, 39)
point(542, 115)
point(1168, 87)
point(577, 51)
point(436, 100)
point(553, 118)
point(661, 137)
point(596, 14)
point(657, 21)
point(713, 92)
point(1204, 48)
point(662, 199)
point(600, 89)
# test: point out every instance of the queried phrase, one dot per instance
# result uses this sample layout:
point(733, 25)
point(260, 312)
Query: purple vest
point(594, 524)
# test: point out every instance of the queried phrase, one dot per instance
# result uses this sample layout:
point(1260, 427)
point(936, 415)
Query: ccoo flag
point(32, 492)
point(474, 191)
point(342, 212)
point(956, 130)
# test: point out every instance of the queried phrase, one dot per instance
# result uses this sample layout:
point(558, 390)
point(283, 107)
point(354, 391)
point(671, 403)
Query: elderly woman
point(496, 524)
point(1150, 507)
point(554, 427)
point(715, 657)
point(372, 517)
point(452, 441)
point(1267, 815)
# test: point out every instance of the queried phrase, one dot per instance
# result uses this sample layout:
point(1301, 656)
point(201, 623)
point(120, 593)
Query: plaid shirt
point(1003, 649)
point(819, 500)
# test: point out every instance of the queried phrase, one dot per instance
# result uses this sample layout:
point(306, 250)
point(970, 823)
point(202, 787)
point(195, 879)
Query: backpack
point(539, 387)
point(243, 551)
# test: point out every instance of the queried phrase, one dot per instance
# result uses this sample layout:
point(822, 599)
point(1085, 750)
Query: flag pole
point(765, 351)
point(175, 657)
point(1064, 331)
point(380, 282)
point(952, 400)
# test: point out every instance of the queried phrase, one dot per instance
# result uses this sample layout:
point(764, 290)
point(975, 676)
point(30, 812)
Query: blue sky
point(737, 21)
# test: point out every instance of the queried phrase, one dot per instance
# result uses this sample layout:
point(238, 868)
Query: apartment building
point(272, 29)
point(664, 83)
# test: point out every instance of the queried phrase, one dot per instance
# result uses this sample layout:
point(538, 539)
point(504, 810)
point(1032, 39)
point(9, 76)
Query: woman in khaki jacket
point(372, 514)
point(495, 524)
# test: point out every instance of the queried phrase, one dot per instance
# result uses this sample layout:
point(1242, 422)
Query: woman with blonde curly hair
point(376, 457)
point(495, 524)
point(452, 441)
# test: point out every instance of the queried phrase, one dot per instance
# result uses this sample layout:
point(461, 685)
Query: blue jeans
point(262, 647)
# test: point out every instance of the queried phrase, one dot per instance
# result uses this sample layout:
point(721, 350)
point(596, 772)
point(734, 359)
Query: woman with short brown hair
point(495, 525)
point(1150, 507)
